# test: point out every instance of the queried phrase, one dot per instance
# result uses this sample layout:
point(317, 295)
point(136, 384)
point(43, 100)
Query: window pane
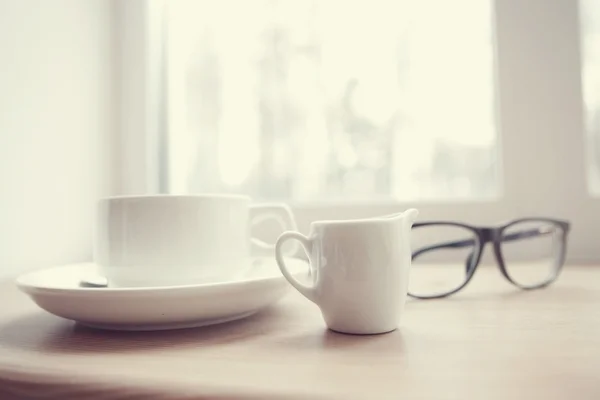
point(590, 35)
point(332, 100)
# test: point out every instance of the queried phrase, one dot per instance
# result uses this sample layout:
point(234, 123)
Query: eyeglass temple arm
point(471, 242)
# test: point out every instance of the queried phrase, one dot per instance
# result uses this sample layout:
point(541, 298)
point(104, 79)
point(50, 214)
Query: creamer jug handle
point(307, 244)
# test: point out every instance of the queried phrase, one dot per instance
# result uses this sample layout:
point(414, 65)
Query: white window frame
point(540, 111)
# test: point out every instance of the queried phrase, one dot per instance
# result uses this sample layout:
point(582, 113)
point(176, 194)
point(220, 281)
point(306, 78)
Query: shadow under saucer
point(44, 332)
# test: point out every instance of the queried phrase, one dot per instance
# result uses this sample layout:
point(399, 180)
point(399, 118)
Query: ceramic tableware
point(360, 270)
point(162, 240)
point(58, 291)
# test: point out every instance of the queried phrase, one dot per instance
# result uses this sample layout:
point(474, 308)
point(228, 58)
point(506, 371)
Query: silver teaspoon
point(94, 282)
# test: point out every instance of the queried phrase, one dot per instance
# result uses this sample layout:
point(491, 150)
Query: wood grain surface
point(492, 341)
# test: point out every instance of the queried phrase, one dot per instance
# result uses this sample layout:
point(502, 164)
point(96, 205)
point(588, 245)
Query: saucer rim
point(150, 327)
point(34, 289)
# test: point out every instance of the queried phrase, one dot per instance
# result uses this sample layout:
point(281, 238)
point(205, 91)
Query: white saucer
point(57, 290)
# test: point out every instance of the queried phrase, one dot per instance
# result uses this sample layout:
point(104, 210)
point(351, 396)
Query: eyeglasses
point(530, 253)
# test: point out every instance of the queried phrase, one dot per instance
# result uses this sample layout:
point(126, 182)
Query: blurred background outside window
point(469, 110)
point(332, 100)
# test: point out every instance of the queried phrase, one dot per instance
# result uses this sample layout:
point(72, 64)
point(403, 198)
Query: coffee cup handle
point(283, 215)
point(308, 292)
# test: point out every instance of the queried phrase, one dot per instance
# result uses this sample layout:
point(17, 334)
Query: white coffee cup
point(163, 240)
point(359, 269)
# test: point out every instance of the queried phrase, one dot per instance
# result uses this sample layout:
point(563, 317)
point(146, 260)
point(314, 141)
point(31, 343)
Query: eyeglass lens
point(442, 258)
point(532, 252)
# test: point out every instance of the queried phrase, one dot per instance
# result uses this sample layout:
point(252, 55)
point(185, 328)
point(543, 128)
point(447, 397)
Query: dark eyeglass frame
point(494, 235)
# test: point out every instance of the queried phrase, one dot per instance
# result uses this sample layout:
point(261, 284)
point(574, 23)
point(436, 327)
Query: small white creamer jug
point(360, 270)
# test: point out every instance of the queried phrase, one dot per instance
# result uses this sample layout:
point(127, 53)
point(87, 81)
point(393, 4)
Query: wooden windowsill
point(491, 341)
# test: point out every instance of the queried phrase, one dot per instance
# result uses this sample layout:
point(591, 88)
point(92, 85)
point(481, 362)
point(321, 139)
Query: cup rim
point(351, 221)
point(207, 196)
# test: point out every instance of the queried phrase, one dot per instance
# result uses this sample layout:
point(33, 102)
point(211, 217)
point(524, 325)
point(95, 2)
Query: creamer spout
point(407, 217)
point(411, 216)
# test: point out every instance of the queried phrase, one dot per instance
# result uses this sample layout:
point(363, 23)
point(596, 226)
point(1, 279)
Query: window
point(332, 100)
point(590, 35)
point(473, 111)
